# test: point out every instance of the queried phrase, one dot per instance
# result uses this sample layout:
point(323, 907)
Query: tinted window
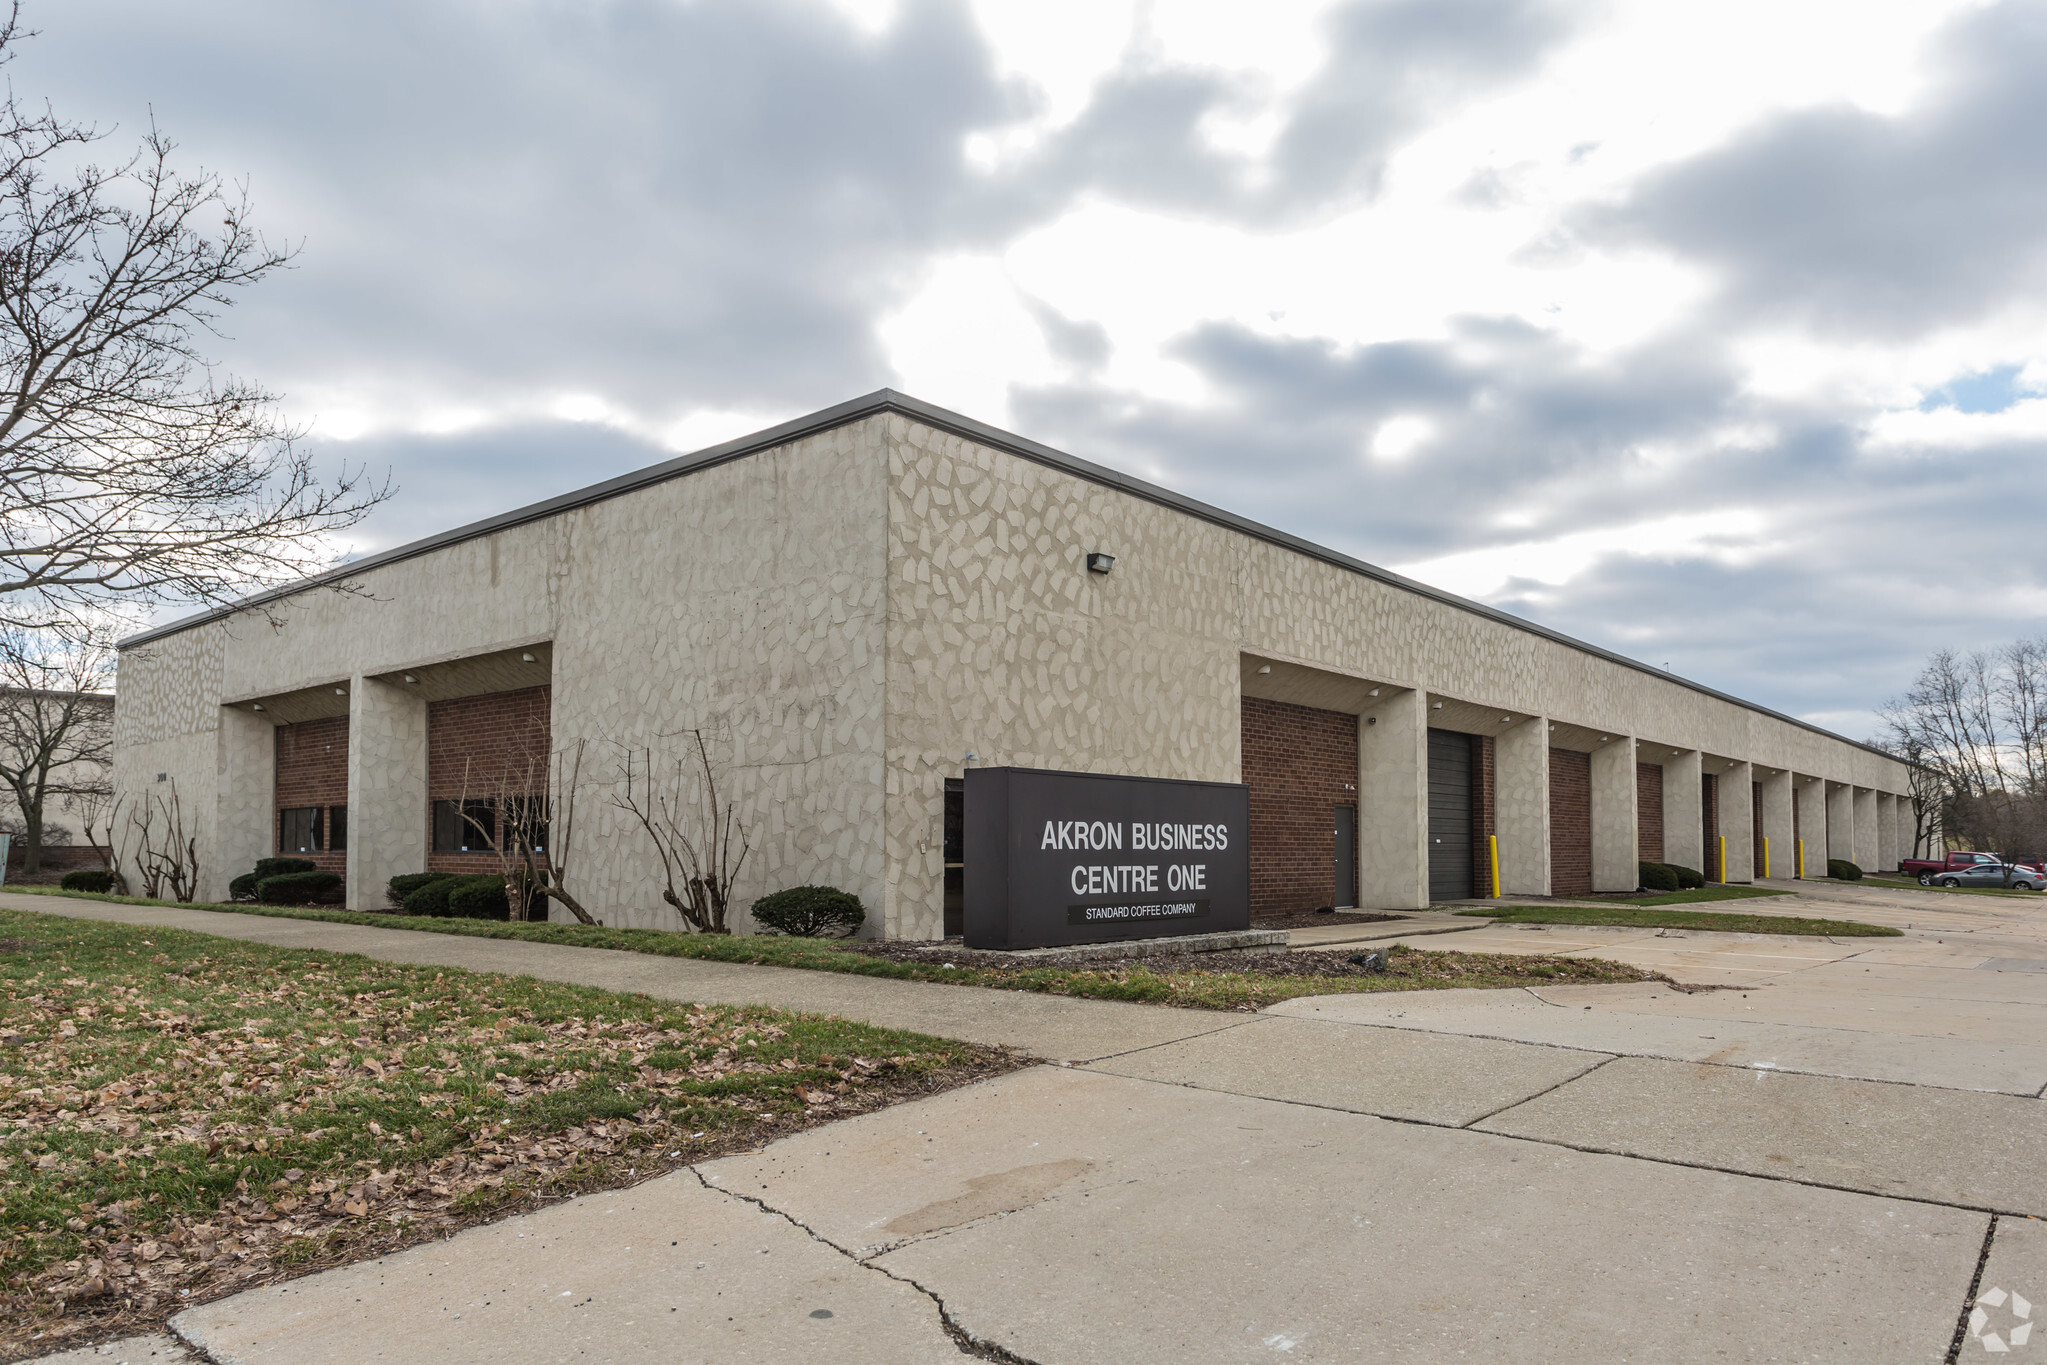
point(298, 830)
point(465, 826)
point(337, 829)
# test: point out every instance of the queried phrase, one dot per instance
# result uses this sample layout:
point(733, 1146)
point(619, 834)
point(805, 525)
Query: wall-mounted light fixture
point(1674, 752)
point(528, 658)
point(1265, 668)
point(972, 757)
point(1437, 707)
point(340, 691)
point(1604, 740)
point(1373, 693)
point(1371, 720)
point(255, 706)
point(1097, 562)
point(409, 678)
point(1506, 720)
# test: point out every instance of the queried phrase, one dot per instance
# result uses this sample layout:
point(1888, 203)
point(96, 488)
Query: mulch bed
point(1331, 962)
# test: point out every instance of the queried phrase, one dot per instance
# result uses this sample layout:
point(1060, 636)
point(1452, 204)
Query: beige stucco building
point(855, 606)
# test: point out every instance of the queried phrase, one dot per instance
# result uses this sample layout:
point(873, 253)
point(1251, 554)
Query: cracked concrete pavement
point(1829, 1162)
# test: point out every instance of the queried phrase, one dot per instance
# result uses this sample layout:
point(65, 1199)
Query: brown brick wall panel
point(486, 742)
point(1570, 823)
point(1300, 763)
point(1649, 811)
point(1484, 813)
point(312, 770)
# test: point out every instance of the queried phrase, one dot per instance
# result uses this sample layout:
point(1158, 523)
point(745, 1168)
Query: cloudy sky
point(1713, 333)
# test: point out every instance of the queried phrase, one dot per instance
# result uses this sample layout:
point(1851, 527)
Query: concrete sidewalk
point(1810, 1169)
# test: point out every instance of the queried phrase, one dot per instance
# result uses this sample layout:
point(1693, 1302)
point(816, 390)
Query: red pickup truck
point(1929, 869)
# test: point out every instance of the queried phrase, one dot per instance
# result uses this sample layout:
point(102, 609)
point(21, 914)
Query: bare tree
point(130, 471)
point(1975, 728)
point(100, 812)
point(166, 852)
point(533, 825)
point(56, 725)
point(694, 830)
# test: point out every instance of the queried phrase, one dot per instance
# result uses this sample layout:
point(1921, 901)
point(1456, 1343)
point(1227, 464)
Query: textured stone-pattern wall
point(167, 721)
point(1521, 803)
point(746, 601)
point(483, 747)
point(1570, 823)
point(846, 616)
point(1300, 763)
point(312, 770)
point(1737, 825)
point(1649, 811)
point(1002, 645)
point(1484, 806)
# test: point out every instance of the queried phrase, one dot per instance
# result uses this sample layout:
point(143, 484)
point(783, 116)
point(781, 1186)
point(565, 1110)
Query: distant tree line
point(1974, 728)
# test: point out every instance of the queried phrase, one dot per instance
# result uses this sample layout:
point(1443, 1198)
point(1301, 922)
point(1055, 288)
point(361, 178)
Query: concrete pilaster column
point(245, 800)
point(1841, 821)
point(1737, 822)
point(1887, 840)
point(387, 814)
point(1782, 859)
point(1393, 804)
point(1521, 807)
point(1865, 829)
point(1683, 821)
point(1811, 795)
point(1616, 843)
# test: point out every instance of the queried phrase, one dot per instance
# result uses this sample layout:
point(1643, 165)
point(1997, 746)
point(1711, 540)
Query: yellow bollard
point(1766, 855)
point(1801, 859)
point(1723, 860)
point(1492, 845)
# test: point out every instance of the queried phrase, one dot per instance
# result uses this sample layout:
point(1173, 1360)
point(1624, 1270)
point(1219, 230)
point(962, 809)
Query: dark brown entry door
point(1346, 858)
point(1449, 815)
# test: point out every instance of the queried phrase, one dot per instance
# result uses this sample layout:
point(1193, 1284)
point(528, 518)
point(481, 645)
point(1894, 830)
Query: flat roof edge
point(891, 401)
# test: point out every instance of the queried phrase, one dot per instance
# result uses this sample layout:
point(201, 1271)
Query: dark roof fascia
point(886, 401)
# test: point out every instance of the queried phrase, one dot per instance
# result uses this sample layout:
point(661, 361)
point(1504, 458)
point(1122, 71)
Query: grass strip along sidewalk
point(1655, 917)
point(1219, 981)
point(183, 1116)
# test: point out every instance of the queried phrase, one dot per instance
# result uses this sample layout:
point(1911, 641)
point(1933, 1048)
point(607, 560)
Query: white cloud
point(1728, 537)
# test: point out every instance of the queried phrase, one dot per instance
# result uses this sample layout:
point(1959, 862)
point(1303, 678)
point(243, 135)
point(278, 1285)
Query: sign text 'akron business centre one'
point(1118, 879)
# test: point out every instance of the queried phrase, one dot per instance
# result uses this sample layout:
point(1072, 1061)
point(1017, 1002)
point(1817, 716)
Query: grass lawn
point(183, 1116)
point(1699, 894)
point(1656, 916)
point(1220, 981)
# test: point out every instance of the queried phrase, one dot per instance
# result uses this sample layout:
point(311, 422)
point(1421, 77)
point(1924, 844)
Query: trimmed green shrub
point(1840, 869)
point(430, 898)
point(243, 888)
point(1687, 878)
point(810, 912)
point(281, 867)
point(96, 879)
point(1657, 877)
point(405, 883)
point(298, 888)
point(479, 897)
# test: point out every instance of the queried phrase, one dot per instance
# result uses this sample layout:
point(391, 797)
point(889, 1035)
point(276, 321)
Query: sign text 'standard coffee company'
point(1059, 858)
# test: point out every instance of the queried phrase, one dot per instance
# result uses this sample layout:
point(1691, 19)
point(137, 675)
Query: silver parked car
point(2023, 878)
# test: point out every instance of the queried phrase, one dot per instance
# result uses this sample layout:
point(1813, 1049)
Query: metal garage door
point(1449, 815)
